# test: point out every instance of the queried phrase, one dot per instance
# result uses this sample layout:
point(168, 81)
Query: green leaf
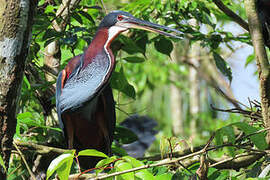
point(58, 162)
point(87, 16)
point(77, 17)
point(104, 162)
point(119, 82)
point(257, 139)
point(124, 135)
point(231, 151)
point(222, 66)
point(134, 59)
point(134, 162)
point(92, 152)
point(2, 163)
point(118, 150)
point(49, 9)
point(130, 46)
point(229, 132)
point(51, 33)
point(64, 170)
point(164, 46)
point(122, 166)
point(218, 137)
point(249, 59)
point(163, 176)
point(144, 174)
point(24, 115)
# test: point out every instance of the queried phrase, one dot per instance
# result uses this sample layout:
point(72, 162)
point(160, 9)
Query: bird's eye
point(120, 18)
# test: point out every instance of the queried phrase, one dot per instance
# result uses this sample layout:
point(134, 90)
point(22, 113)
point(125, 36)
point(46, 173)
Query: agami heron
point(84, 99)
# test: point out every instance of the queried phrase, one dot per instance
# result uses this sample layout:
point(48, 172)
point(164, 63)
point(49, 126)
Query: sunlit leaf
point(92, 152)
point(122, 166)
point(58, 162)
point(144, 174)
point(134, 162)
point(249, 59)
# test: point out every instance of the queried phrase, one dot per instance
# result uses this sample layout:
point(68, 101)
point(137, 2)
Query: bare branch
point(40, 149)
point(25, 162)
point(231, 14)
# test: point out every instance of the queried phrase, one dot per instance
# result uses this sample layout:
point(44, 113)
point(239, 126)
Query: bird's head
point(119, 21)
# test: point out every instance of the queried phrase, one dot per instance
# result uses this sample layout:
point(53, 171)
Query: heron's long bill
point(148, 26)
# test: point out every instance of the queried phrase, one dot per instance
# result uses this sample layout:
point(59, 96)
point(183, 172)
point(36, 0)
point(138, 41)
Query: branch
point(231, 14)
point(40, 149)
point(237, 162)
point(25, 162)
point(261, 60)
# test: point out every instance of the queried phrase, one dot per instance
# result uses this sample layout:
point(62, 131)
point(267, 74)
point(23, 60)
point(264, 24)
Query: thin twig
point(25, 162)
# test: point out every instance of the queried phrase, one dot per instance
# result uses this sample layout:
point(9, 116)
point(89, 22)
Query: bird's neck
point(96, 46)
point(101, 42)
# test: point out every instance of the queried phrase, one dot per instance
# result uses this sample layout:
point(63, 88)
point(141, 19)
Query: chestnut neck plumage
point(101, 42)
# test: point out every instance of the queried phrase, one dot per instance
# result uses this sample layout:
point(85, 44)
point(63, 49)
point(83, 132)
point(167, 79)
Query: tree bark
point(15, 27)
point(255, 28)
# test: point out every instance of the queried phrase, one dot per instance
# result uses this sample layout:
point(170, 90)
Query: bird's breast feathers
point(81, 85)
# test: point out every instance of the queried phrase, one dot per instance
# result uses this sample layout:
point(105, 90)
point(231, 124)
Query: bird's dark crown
point(112, 18)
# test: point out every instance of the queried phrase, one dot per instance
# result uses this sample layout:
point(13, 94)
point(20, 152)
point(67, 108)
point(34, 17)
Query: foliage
point(140, 81)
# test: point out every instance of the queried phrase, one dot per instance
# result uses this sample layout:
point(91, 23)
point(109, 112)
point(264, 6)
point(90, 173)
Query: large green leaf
point(62, 165)
point(92, 152)
point(223, 66)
